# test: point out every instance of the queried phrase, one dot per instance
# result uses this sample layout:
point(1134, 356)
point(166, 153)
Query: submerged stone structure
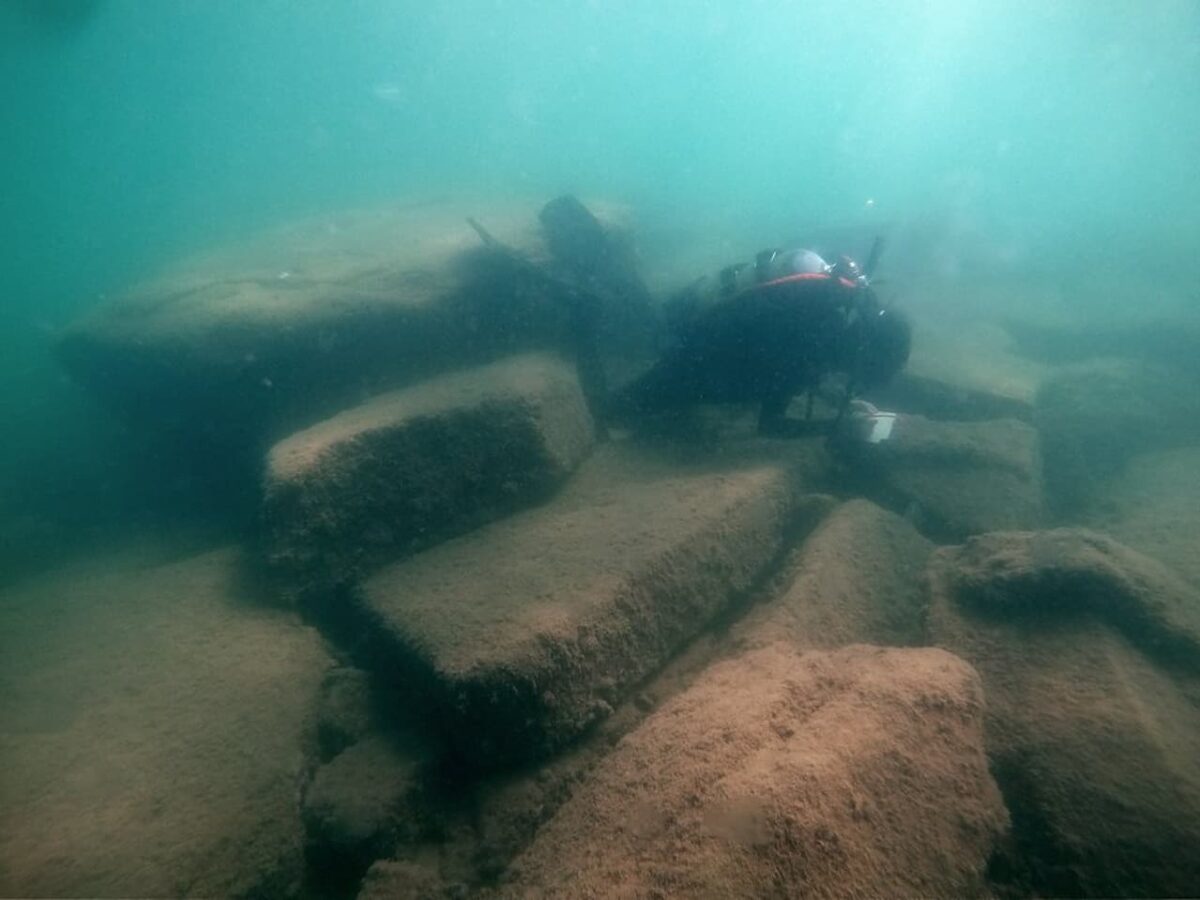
point(781, 774)
point(1089, 654)
point(523, 634)
point(228, 352)
point(409, 468)
point(555, 665)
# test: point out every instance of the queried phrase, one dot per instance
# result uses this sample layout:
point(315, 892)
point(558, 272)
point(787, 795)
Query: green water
point(1015, 137)
point(1013, 152)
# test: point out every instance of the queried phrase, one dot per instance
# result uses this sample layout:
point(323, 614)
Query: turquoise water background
point(1019, 137)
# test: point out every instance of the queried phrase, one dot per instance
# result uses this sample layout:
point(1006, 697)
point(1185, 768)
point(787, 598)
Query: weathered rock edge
point(516, 653)
point(411, 467)
point(853, 773)
point(1064, 572)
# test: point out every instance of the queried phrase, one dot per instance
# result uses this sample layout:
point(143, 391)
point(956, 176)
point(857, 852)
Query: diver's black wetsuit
point(770, 342)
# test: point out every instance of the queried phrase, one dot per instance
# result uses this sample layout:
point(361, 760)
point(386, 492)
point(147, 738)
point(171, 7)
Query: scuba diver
point(767, 331)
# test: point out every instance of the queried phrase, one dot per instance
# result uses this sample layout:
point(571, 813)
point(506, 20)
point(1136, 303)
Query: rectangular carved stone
point(524, 633)
point(411, 467)
point(854, 773)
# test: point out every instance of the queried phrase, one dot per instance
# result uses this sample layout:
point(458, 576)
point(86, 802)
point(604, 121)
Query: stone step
point(411, 467)
point(1052, 577)
point(524, 633)
point(859, 772)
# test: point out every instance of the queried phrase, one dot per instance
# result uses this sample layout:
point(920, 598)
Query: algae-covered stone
point(778, 774)
point(1153, 506)
point(524, 633)
point(413, 466)
point(1095, 418)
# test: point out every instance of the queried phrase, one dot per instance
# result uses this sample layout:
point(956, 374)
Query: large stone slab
point(251, 341)
point(1088, 654)
point(779, 774)
point(858, 578)
point(411, 467)
point(955, 479)
point(155, 733)
point(526, 632)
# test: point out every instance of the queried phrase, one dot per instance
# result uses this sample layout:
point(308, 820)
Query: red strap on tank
point(804, 276)
point(800, 276)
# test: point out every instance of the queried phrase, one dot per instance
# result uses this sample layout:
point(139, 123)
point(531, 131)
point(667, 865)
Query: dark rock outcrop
point(224, 354)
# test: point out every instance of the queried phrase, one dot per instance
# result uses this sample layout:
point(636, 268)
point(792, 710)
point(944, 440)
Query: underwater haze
point(137, 130)
point(1022, 136)
point(1032, 167)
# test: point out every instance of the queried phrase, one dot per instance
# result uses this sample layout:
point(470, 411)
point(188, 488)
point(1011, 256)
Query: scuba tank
point(770, 265)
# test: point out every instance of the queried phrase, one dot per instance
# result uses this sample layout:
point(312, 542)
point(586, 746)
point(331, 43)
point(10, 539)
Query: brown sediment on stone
point(526, 632)
point(1048, 576)
point(1091, 739)
point(414, 466)
point(359, 805)
point(859, 578)
point(785, 774)
point(157, 729)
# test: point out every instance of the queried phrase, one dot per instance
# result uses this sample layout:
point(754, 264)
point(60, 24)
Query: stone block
point(411, 467)
point(523, 634)
point(858, 578)
point(157, 727)
point(778, 774)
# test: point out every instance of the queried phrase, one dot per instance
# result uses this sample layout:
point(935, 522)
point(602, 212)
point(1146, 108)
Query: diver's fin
point(873, 258)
